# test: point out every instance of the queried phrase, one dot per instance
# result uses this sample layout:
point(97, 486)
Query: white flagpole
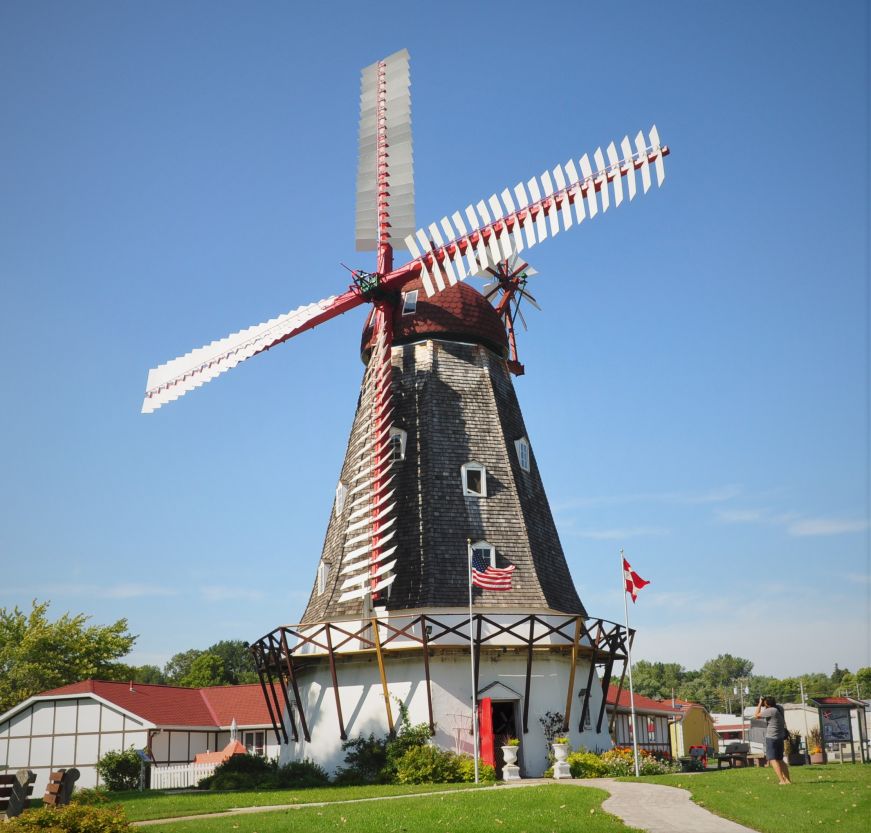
point(629, 661)
point(472, 658)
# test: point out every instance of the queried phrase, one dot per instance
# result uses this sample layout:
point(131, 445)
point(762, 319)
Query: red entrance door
point(485, 728)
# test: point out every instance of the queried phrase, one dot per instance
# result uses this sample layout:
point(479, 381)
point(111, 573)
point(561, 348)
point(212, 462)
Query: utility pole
point(742, 689)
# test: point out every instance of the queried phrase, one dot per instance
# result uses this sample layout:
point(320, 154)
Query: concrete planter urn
point(561, 768)
point(510, 771)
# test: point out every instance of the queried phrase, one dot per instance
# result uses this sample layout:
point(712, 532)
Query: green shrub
point(428, 765)
point(120, 770)
point(301, 774)
point(371, 760)
point(466, 764)
point(365, 759)
point(242, 772)
point(90, 796)
point(431, 765)
point(587, 765)
point(74, 818)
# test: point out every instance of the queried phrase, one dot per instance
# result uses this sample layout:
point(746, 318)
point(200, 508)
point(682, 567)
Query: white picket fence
point(178, 776)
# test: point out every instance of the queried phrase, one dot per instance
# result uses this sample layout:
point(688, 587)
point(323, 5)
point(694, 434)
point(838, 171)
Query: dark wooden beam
point(342, 733)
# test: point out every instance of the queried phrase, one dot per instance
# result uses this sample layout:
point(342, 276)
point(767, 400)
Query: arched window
point(474, 477)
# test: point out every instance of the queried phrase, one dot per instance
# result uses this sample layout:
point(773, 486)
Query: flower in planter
point(512, 742)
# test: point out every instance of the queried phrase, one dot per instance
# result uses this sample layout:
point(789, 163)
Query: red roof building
point(652, 718)
point(75, 725)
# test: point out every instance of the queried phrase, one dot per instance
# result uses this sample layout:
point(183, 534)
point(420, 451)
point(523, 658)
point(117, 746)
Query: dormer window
point(522, 447)
point(341, 494)
point(323, 575)
point(474, 477)
point(409, 302)
point(487, 553)
point(398, 439)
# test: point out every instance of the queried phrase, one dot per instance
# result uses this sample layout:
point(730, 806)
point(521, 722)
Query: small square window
point(409, 302)
point(522, 447)
point(341, 494)
point(398, 438)
point(323, 575)
point(474, 480)
point(485, 552)
point(254, 743)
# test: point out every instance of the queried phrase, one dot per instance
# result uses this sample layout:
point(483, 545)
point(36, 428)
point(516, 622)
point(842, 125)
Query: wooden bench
point(736, 754)
point(60, 786)
point(15, 792)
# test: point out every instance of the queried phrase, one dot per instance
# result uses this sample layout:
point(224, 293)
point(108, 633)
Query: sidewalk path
point(659, 809)
point(649, 807)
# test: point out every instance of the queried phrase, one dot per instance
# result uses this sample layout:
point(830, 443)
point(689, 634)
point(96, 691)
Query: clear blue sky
point(697, 383)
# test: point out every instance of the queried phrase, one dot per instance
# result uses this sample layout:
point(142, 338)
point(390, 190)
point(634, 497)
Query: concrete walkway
point(659, 809)
point(650, 807)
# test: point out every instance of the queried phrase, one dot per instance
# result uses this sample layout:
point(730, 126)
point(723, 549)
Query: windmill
point(438, 469)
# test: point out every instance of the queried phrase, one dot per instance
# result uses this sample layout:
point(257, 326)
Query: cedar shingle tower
point(454, 410)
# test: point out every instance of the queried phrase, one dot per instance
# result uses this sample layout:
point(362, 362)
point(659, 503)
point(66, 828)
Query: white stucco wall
point(363, 708)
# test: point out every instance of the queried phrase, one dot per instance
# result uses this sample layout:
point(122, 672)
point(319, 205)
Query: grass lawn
point(542, 809)
point(140, 806)
point(835, 798)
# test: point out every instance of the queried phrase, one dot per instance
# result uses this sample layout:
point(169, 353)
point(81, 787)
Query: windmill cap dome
point(459, 313)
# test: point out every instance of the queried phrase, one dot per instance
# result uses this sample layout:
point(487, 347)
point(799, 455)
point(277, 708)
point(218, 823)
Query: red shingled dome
point(460, 313)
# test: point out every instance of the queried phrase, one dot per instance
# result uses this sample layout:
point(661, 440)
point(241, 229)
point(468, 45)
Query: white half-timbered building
point(74, 726)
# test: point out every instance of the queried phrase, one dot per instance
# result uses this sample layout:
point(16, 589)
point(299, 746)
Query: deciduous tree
point(37, 654)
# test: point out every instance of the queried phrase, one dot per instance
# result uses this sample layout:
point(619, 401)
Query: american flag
point(487, 577)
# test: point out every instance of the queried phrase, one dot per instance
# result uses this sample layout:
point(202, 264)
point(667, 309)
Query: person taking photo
point(775, 732)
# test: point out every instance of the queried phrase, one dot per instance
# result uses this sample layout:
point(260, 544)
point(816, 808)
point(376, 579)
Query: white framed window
point(341, 494)
point(486, 551)
point(474, 477)
point(398, 438)
point(522, 448)
point(254, 743)
point(409, 302)
point(323, 575)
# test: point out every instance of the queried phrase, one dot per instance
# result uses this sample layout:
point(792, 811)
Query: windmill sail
point(497, 237)
point(385, 182)
point(175, 378)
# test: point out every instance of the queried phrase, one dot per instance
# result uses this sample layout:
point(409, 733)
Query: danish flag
point(634, 582)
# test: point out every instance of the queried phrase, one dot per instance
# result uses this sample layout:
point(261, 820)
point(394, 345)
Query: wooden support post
point(276, 704)
point(606, 684)
point(376, 638)
point(528, 675)
point(617, 698)
point(342, 733)
point(292, 677)
point(285, 697)
point(268, 704)
point(425, 639)
point(585, 707)
point(569, 697)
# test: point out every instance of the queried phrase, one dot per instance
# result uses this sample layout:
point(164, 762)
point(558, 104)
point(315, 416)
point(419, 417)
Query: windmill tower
point(439, 473)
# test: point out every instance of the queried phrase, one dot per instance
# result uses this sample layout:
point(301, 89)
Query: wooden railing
point(279, 654)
